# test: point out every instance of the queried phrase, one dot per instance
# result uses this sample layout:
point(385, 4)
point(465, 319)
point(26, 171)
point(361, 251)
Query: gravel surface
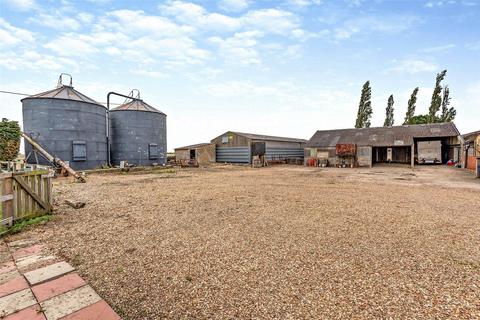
point(280, 242)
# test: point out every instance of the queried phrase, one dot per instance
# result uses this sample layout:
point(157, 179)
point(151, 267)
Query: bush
point(9, 140)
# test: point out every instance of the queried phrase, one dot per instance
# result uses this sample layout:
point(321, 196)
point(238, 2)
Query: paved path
point(35, 285)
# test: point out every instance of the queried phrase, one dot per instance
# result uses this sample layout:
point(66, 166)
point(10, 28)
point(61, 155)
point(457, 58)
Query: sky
point(285, 68)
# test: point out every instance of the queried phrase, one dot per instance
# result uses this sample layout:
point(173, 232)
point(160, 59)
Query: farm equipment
point(56, 161)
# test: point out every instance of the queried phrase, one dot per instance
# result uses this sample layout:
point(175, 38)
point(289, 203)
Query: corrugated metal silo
point(68, 124)
point(138, 134)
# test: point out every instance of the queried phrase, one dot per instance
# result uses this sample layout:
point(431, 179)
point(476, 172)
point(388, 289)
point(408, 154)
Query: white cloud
point(85, 17)
point(473, 45)
point(300, 4)
point(33, 60)
point(70, 45)
point(233, 5)
point(149, 73)
point(137, 22)
point(371, 24)
point(113, 51)
point(12, 36)
point(56, 21)
point(240, 48)
point(196, 16)
point(272, 21)
point(441, 48)
point(443, 3)
point(21, 5)
point(413, 66)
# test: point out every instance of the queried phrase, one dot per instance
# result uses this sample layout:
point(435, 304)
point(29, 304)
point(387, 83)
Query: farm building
point(238, 147)
point(471, 150)
point(409, 144)
point(203, 153)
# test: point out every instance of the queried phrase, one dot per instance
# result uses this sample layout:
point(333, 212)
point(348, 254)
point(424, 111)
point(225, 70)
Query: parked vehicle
point(429, 152)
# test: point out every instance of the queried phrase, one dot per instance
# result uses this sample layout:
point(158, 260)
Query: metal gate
point(233, 155)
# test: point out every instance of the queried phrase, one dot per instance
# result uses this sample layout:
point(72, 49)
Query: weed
point(19, 226)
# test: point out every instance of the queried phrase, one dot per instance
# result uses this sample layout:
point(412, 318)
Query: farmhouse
point(409, 144)
point(471, 151)
point(238, 147)
point(203, 153)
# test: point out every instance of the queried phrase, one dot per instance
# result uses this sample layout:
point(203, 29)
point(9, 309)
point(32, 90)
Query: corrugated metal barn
point(204, 153)
point(396, 144)
point(239, 147)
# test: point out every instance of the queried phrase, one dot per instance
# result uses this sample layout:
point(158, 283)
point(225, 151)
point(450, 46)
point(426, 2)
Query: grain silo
point(68, 124)
point(138, 133)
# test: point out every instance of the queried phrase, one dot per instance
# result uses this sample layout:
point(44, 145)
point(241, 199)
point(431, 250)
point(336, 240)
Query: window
point(79, 151)
point(224, 139)
point(152, 151)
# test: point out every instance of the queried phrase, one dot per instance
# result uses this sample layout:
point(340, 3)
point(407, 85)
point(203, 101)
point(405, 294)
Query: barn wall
point(234, 141)
point(283, 144)
point(322, 153)
point(182, 154)
point(206, 154)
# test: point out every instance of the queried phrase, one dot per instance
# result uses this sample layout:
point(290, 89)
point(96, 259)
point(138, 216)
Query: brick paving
point(35, 285)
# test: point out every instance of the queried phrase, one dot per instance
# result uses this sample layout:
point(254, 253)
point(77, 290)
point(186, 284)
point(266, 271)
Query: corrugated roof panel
point(137, 105)
point(268, 138)
point(64, 92)
point(382, 136)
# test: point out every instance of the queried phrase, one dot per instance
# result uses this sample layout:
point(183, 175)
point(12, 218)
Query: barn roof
point(267, 138)
point(382, 136)
point(193, 146)
point(471, 135)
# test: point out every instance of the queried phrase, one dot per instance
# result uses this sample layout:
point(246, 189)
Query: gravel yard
point(280, 242)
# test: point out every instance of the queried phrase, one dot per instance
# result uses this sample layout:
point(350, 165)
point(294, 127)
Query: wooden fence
point(25, 194)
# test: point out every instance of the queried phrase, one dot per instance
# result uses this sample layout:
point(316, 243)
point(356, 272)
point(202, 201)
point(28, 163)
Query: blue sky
point(272, 67)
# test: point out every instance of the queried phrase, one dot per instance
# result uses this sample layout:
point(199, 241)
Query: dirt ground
point(286, 242)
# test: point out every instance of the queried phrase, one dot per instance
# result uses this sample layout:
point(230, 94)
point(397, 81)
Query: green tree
point(436, 98)
point(411, 107)
point(448, 114)
point(389, 113)
point(364, 107)
point(9, 139)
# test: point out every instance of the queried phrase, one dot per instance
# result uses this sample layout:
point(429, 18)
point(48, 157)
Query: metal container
point(68, 124)
point(138, 134)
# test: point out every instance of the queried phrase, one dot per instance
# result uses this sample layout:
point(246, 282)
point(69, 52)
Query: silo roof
point(66, 93)
point(137, 105)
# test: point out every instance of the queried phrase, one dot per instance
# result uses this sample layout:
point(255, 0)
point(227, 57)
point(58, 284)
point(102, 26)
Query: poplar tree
point(436, 98)
point(389, 113)
point(448, 114)
point(364, 107)
point(411, 107)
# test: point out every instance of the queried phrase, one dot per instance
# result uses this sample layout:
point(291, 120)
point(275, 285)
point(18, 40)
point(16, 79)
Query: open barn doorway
point(394, 154)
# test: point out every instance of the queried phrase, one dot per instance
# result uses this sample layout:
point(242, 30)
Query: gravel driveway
point(280, 242)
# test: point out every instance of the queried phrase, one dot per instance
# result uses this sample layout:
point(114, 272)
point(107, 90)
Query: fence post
point(7, 200)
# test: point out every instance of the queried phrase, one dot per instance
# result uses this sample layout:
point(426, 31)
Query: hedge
point(9, 140)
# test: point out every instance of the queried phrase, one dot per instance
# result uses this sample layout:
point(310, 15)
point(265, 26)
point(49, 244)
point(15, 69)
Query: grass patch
point(19, 226)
